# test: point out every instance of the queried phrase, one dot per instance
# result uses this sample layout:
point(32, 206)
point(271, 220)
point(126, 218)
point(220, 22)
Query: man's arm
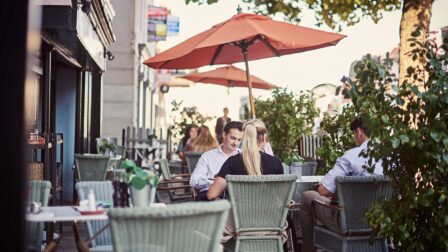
point(324, 192)
point(199, 178)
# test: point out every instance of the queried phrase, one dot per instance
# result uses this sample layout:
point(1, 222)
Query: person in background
point(211, 161)
point(191, 132)
point(350, 164)
point(204, 142)
point(220, 123)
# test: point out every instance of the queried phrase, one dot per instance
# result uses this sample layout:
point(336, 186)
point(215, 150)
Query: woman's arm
point(217, 188)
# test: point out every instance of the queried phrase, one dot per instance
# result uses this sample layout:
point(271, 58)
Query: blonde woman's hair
point(253, 134)
point(203, 142)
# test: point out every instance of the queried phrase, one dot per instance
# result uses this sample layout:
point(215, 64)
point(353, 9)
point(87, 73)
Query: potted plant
point(295, 163)
point(106, 148)
point(142, 183)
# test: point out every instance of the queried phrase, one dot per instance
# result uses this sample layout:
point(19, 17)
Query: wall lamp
point(108, 54)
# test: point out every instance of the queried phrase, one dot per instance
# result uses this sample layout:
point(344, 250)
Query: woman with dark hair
point(204, 142)
point(191, 132)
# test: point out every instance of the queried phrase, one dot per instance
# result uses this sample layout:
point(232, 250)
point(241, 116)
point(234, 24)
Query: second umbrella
point(228, 76)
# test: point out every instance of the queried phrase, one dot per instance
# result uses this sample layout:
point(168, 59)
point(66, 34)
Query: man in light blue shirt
point(211, 161)
point(350, 164)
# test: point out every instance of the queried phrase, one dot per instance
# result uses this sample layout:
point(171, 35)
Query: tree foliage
point(184, 116)
point(333, 13)
point(410, 134)
point(287, 116)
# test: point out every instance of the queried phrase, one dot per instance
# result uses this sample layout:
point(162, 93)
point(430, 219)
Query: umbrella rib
point(268, 45)
point(164, 63)
point(217, 52)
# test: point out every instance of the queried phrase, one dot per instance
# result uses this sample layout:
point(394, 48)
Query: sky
point(297, 72)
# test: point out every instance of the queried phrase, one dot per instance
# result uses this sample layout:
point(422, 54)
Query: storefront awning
point(62, 51)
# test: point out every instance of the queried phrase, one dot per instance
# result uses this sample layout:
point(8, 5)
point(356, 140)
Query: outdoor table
point(64, 213)
point(70, 213)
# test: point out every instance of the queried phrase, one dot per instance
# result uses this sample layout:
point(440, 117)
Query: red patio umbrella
point(243, 37)
point(228, 76)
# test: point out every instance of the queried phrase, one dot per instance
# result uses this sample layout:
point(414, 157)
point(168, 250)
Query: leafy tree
point(410, 134)
point(287, 117)
point(186, 116)
point(337, 13)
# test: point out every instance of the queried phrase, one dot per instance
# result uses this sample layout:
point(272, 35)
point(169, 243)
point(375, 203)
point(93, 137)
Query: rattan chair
point(192, 159)
point(40, 192)
point(356, 194)
point(260, 204)
point(176, 185)
point(103, 191)
point(187, 227)
point(91, 167)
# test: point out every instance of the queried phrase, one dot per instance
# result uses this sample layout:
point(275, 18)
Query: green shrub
point(287, 116)
point(410, 134)
point(338, 138)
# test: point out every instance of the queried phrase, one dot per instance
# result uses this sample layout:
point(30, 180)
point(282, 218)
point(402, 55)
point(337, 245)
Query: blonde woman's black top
point(234, 165)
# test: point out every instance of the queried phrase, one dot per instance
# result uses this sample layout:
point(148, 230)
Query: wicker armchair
point(260, 204)
point(91, 167)
point(40, 192)
point(187, 227)
point(176, 185)
point(103, 191)
point(192, 159)
point(356, 194)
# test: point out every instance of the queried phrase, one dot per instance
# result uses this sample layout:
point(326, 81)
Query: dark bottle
point(124, 195)
point(117, 196)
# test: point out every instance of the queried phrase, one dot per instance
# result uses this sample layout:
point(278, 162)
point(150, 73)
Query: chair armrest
point(333, 204)
point(164, 188)
point(174, 181)
point(318, 205)
point(293, 206)
point(182, 175)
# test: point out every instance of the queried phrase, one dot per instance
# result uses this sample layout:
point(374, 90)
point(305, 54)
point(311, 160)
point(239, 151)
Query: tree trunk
point(416, 13)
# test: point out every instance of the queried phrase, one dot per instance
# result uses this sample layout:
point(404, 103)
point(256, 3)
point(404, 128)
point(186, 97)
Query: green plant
point(136, 176)
point(338, 137)
point(409, 128)
point(186, 116)
point(105, 145)
point(287, 116)
point(293, 157)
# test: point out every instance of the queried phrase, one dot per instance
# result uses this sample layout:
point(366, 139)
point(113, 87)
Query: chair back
point(285, 168)
point(91, 167)
point(192, 159)
point(165, 168)
point(308, 145)
point(260, 203)
point(356, 194)
point(121, 151)
point(178, 227)
point(39, 192)
point(103, 191)
point(309, 168)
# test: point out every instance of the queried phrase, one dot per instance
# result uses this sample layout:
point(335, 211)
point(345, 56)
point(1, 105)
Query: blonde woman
point(204, 142)
point(251, 161)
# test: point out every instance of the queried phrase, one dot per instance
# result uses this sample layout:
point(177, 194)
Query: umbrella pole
point(249, 82)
